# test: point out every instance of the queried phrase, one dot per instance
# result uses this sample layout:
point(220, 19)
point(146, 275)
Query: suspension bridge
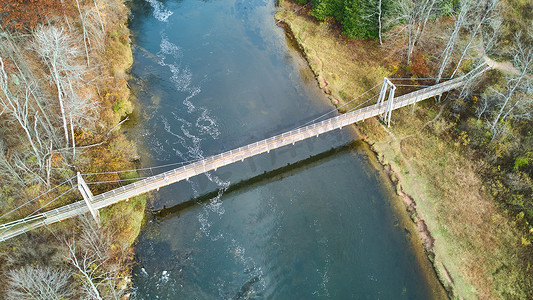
point(386, 103)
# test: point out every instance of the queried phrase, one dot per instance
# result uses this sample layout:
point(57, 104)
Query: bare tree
point(460, 22)
point(85, 38)
point(483, 14)
point(26, 110)
point(18, 104)
point(58, 51)
point(10, 49)
point(82, 111)
point(482, 108)
point(414, 16)
point(18, 107)
point(92, 28)
point(373, 11)
point(380, 26)
point(90, 257)
point(95, 27)
point(34, 282)
point(88, 267)
point(518, 106)
point(99, 17)
point(6, 168)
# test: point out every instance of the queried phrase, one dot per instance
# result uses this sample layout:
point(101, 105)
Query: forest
point(63, 98)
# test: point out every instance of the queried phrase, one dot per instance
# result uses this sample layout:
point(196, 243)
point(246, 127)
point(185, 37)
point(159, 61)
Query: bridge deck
point(18, 227)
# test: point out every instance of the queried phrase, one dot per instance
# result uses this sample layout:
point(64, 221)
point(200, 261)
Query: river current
point(315, 220)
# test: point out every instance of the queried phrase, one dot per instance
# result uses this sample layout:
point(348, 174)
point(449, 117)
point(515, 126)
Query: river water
point(312, 220)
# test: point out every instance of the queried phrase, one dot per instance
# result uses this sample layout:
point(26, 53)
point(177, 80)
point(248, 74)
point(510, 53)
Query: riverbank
point(125, 217)
point(96, 40)
point(123, 220)
point(474, 245)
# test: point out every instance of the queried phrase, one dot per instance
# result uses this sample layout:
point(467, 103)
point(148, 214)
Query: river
point(313, 220)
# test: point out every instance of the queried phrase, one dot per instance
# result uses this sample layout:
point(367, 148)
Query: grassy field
point(336, 61)
point(477, 249)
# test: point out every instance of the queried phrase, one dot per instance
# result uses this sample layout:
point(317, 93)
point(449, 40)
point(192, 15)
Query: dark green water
point(313, 220)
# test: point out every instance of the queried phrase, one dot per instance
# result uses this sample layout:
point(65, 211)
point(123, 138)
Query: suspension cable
point(196, 160)
point(414, 85)
point(352, 109)
point(29, 201)
point(28, 216)
point(337, 108)
point(298, 127)
point(118, 180)
point(49, 203)
point(417, 78)
point(146, 168)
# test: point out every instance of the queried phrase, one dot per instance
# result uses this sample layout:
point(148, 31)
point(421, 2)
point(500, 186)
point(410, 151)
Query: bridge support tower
point(385, 117)
point(88, 197)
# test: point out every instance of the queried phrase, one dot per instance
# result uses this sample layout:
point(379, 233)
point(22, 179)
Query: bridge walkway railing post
point(94, 203)
point(88, 197)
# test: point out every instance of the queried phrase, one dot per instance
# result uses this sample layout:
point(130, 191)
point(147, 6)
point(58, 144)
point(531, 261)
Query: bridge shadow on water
point(267, 176)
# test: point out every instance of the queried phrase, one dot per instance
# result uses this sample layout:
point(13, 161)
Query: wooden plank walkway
point(18, 227)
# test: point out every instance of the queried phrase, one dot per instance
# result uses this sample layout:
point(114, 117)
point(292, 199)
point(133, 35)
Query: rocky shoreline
point(423, 233)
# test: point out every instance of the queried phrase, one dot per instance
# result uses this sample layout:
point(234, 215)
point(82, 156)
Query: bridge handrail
point(221, 159)
point(8, 224)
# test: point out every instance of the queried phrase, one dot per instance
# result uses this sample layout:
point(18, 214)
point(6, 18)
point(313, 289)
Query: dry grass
point(475, 241)
point(338, 63)
point(118, 51)
point(477, 245)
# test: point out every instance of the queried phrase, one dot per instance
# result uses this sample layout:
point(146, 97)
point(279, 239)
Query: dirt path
point(506, 67)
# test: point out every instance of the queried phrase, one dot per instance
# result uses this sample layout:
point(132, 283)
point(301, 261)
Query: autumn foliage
point(419, 66)
point(26, 14)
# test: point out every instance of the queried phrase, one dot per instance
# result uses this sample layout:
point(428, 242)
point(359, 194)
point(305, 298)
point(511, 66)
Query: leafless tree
point(58, 51)
point(482, 108)
point(56, 48)
point(34, 282)
point(17, 105)
point(99, 16)
point(414, 15)
point(465, 7)
point(92, 28)
point(484, 14)
point(517, 106)
point(88, 267)
point(10, 49)
point(84, 30)
point(80, 107)
point(26, 109)
point(6, 168)
point(380, 25)
point(90, 257)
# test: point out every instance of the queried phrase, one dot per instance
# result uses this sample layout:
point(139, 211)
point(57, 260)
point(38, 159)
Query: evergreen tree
point(361, 19)
point(328, 8)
